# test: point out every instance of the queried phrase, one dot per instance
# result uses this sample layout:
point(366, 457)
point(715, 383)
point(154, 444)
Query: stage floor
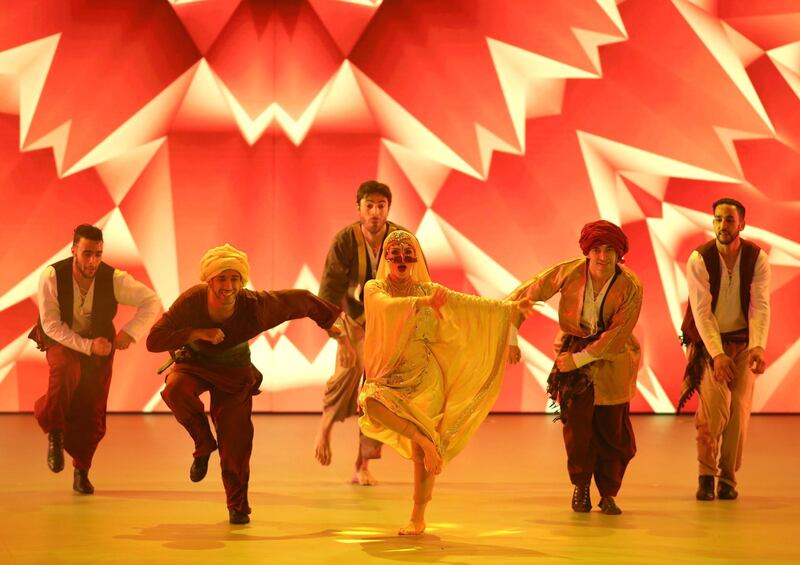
point(505, 499)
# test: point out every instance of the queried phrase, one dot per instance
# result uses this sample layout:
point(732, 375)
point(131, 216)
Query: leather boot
point(609, 506)
point(199, 468)
point(81, 483)
point(726, 491)
point(236, 517)
point(55, 451)
point(581, 501)
point(705, 487)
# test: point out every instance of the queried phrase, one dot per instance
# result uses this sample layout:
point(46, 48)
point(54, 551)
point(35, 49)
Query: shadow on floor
point(213, 536)
point(429, 548)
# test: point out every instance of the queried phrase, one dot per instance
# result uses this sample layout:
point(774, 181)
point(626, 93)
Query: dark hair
point(373, 187)
point(86, 231)
point(730, 202)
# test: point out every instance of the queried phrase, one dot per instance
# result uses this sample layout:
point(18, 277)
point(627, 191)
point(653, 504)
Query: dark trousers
point(599, 441)
point(231, 414)
point(75, 402)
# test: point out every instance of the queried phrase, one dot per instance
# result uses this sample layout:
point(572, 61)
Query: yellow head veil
point(419, 270)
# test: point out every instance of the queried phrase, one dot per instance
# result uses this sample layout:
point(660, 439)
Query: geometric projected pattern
point(501, 125)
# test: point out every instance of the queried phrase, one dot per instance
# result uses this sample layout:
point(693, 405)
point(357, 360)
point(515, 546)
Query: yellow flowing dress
point(443, 375)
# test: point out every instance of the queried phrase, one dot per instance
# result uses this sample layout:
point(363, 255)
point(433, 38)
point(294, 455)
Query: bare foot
point(323, 449)
point(413, 528)
point(364, 478)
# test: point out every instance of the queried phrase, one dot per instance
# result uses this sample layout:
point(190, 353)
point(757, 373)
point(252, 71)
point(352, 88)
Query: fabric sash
point(236, 356)
point(698, 361)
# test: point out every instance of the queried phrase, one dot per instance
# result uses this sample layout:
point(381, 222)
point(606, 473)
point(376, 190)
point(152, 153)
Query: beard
point(85, 274)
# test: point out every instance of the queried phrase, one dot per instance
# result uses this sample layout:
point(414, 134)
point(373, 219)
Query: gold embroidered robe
point(442, 375)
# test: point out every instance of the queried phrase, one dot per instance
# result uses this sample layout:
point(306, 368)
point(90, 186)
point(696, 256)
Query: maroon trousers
point(75, 402)
point(231, 414)
point(599, 442)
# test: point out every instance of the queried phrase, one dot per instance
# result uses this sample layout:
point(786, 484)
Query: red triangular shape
point(204, 20)
point(344, 21)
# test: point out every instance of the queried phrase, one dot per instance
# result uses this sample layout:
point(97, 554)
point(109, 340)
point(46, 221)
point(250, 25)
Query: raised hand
point(524, 306)
point(437, 300)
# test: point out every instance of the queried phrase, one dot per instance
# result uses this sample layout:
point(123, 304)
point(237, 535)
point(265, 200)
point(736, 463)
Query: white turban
point(222, 258)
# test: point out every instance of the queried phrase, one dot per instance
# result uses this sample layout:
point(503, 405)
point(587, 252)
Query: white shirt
point(374, 256)
point(127, 291)
point(727, 315)
point(590, 316)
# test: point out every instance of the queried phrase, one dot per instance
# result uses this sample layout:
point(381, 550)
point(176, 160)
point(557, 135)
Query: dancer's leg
point(423, 491)
point(734, 434)
point(368, 448)
point(181, 396)
point(322, 444)
point(340, 400)
point(232, 415)
point(86, 418)
point(432, 457)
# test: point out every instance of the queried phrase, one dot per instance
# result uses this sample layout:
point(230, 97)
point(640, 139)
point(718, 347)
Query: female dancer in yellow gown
point(434, 362)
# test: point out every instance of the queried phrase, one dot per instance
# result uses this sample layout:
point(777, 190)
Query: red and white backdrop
point(502, 126)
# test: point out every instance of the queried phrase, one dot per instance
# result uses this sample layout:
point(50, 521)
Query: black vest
point(104, 305)
point(747, 266)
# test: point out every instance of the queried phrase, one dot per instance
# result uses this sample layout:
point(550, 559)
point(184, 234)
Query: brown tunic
point(347, 270)
point(225, 371)
point(254, 312)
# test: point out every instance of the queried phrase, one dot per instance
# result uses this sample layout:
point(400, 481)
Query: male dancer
point(211, 325)
point(78, 299)
point(725, 327)
point(352, 261)
point(594, 377)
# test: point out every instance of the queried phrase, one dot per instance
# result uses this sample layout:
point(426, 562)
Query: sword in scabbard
point(168, 364)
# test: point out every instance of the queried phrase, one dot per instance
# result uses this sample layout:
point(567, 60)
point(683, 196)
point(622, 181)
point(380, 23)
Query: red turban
point(602, 232)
